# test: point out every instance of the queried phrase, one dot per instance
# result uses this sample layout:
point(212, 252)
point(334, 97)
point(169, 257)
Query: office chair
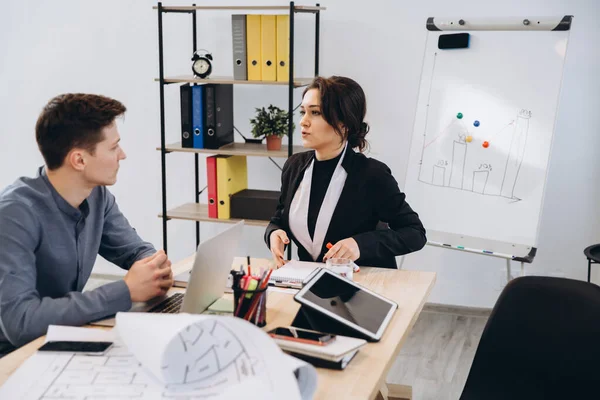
point(542, 341)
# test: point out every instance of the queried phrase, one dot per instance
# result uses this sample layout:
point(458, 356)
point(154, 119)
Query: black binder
point(218, 128)
point(187, 139)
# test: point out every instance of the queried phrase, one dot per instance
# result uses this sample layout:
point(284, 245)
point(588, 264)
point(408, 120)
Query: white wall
point(110, 47)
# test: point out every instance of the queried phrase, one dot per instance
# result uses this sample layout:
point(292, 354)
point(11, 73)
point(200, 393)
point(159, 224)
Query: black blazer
point(370, 195)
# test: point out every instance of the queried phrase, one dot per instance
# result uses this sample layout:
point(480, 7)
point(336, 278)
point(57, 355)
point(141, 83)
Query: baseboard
point(460, 310)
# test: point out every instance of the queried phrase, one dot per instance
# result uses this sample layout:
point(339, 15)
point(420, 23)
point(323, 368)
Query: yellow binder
point(253, 43)
point(268, 43)
point(283, 47)
point(232, 177)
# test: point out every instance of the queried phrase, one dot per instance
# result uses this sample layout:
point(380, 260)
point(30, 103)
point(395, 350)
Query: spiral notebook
point(294, 273)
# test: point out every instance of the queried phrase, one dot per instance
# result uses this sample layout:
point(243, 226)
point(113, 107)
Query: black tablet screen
point(348, 302)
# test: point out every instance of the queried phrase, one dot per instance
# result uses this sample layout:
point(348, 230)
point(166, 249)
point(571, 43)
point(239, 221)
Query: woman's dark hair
point(73, 120)
point(344, 106)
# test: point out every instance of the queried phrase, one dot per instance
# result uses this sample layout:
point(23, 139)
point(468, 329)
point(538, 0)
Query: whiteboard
point(483, 134)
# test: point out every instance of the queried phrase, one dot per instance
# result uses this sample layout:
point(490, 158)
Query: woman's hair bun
point(364, 128)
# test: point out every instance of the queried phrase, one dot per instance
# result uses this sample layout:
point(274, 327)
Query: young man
point(53, 227)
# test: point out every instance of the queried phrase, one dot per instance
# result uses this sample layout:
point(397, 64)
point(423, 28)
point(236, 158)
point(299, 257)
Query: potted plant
point(271, 123)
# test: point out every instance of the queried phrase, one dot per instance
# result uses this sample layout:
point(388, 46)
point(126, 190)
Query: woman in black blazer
point(336, 195)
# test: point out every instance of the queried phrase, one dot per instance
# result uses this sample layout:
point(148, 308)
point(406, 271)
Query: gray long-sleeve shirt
point(47, 251)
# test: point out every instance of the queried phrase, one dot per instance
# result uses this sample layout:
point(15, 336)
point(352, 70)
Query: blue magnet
point(476, 123)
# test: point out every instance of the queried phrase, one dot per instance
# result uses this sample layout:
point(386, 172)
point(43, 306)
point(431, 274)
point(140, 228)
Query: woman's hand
point(278, 240)
point(347, 248)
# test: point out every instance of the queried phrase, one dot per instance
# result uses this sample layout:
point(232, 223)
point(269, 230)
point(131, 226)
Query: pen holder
point(250, 305)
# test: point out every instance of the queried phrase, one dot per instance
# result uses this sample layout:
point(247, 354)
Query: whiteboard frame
point(531, 23)
point(491, 248)
point(470, 244)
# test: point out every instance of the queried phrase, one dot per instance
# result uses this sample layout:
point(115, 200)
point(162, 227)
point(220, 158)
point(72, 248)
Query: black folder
point(218, 116)
point(187, 139)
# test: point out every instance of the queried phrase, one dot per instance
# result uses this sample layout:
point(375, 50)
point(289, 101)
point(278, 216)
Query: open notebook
point(294, 273)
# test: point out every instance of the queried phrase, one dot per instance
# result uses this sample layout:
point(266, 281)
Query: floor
point(437, 356)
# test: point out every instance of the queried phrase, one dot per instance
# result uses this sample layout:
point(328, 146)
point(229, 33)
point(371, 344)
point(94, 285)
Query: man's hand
point(347, 248)
point(278, 240)
point(149, 277)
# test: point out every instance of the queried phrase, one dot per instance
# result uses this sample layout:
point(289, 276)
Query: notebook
point(341, 350)
point(294, 273)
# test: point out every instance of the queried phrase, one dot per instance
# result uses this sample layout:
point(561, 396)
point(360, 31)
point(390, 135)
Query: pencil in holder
point(250, 305)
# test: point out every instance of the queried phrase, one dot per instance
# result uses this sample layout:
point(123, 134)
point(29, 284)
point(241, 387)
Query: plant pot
point(273, 143)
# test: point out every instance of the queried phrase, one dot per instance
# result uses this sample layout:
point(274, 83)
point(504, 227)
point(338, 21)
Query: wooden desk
point(365, 375)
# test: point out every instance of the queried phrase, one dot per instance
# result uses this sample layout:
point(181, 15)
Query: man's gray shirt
point(47, 251)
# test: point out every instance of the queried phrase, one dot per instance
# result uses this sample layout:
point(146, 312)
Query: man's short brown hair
point(74, 120)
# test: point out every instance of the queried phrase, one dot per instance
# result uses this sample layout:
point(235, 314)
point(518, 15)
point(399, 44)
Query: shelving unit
point(195, 211)
point(199, 212)
point(227, 80)
point(235, 149)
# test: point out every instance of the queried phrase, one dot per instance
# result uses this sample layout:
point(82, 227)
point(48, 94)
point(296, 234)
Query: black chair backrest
point(542, 341)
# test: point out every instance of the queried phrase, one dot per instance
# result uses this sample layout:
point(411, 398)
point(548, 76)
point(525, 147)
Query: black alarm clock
point(202, 63)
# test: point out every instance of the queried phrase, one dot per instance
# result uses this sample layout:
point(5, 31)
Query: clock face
point(201, 66)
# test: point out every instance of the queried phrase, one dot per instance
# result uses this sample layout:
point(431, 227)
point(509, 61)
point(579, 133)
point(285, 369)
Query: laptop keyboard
point(171, 305)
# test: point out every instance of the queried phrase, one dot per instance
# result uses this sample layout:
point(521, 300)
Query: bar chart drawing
point(439, 175)
point(464, 159)
point(459, 157)
point(480, 179)
point(515, 156)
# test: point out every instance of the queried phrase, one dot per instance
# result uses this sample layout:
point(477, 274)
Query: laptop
point(206, 282)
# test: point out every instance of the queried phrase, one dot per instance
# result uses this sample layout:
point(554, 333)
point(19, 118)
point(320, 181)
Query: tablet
point(347, 302)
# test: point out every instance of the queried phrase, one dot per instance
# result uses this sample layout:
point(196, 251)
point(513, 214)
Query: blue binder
point(198, 115)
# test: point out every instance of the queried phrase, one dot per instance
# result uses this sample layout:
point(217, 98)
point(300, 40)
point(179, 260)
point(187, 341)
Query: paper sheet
point(161, 356)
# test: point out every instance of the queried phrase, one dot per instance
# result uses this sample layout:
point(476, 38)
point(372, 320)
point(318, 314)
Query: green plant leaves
point(272, 121)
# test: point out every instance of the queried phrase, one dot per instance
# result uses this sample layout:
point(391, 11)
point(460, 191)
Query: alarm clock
point(202, 63)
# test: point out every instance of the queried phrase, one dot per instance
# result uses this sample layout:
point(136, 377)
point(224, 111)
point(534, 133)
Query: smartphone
point(302, 336)
point(96, 348)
